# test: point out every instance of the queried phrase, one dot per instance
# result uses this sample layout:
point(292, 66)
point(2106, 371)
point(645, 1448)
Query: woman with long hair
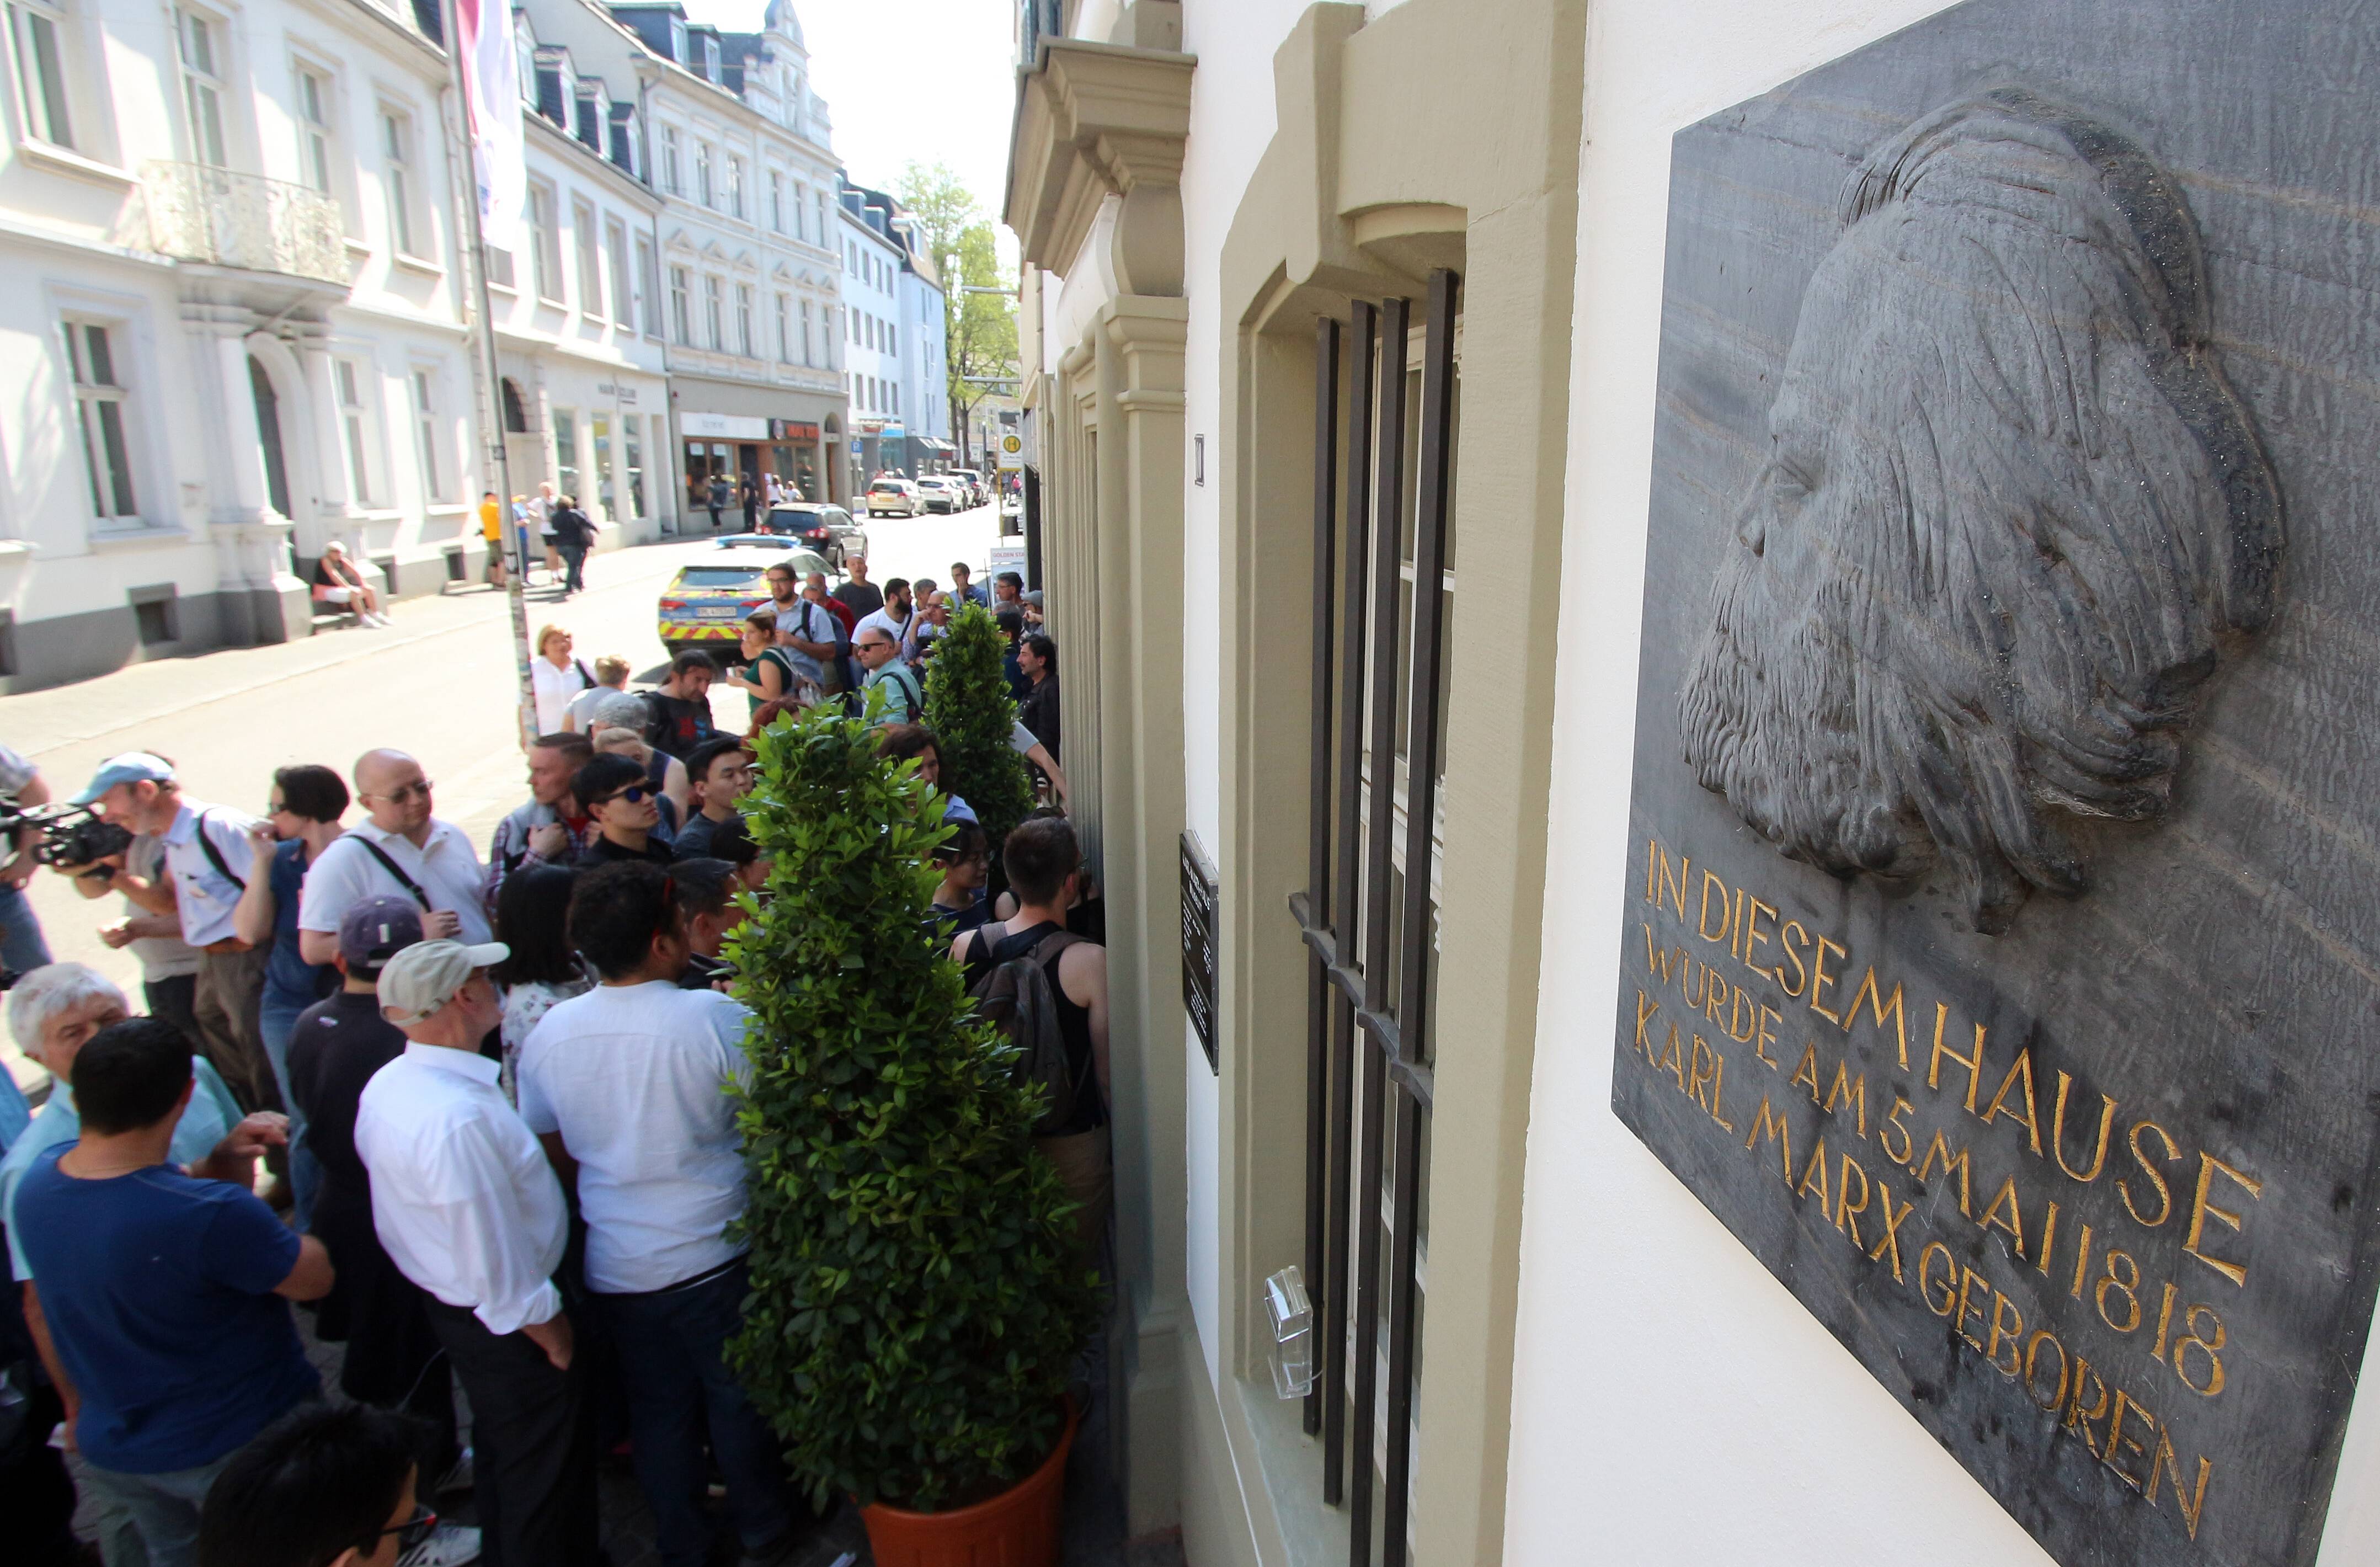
point(532, 915)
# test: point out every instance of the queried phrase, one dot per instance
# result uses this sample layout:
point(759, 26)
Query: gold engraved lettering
point(2165, 1197)
point(2206, 1345)
point(1715, 993)
point(1706, 1061)
point(1767, 1037)
point(1891, 1128)
point(2032, 1379)
point(1718, 1077)
point(1820, 978)
point(1872, 995)
point(1893, 1220)
point(1645, 1008)
point(1973, 1064)
point(1735, 929)
point(1656, 959)
point(2128, 1286)
point(1968, 1280)
point(2081, 1264)
point(1689, 987)
point(2078, 1416)
point(2201, 1211)
point(1753, 934)
point(2014, 1223)
point(1800, 971)
point(2048, 1241)
point(2058, 1132)
point(2192, 1507)
point(1925, 1277)
point(2118, 1442)
point(1677, 886)
point(1746, 1010)
point(1807, 1071)
point(2164, 1321)
point(1852, 1093)
point(1701, 921)
point(1847, 1212)
point(1813, 1178)
point(1941, 1147)
point(2021, 1067)
point(1652, 857)
point(1673, 1057)
point(2007, 1325)
point(1768, 1124)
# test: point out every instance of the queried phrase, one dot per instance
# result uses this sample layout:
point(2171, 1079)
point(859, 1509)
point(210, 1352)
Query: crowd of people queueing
point(489, 1093)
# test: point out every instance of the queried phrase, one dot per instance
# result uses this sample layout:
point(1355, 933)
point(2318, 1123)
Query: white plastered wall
point(1672, 1401)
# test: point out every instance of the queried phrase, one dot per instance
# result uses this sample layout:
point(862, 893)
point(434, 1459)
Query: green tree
point(915, 1305)
point(972, 715)
point(981, 327)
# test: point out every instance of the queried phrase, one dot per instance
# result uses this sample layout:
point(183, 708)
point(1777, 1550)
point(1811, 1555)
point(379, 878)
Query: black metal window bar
point(1370, 933)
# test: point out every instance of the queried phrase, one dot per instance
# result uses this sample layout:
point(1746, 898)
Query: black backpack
point(1012, 992)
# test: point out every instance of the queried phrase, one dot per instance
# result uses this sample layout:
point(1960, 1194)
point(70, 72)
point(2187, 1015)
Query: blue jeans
point(675, 1377)
point(276, 1020)
point(574, 561)
point(163, 1507)
point(22, 946)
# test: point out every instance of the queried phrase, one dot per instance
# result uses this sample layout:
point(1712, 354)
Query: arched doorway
point(268, 435)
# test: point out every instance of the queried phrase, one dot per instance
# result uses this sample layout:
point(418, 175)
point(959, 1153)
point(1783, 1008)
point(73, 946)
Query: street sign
point(1012, 453)
point(1200, 892)
point(1007, 557)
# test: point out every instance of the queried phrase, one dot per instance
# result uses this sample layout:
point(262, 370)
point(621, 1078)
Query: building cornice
point(559, 140)
point(1093, 120)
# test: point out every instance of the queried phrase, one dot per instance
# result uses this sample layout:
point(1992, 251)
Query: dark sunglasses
point(414, 1530)
point(635, 794)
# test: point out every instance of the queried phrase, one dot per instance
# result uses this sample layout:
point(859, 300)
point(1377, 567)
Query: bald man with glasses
point(400, 850)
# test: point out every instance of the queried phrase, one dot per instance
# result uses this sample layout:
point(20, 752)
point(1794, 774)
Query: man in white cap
point(210, 858)
point(467, 1206)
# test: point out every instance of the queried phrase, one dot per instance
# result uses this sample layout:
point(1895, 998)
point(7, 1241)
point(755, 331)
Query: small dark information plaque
point(1200, 893)
point(2000, 962)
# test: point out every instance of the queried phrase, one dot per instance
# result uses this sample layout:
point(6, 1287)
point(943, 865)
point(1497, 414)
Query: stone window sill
point(65, 161)
point(417, 265)
point(102, 541)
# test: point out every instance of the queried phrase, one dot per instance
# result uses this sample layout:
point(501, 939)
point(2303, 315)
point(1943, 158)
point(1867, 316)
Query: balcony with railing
point(200, 213)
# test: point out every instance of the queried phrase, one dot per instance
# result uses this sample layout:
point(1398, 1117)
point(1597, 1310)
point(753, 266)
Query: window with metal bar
point(1383, 508)
point(40, 35)
point(99, 406)
point(202, 86)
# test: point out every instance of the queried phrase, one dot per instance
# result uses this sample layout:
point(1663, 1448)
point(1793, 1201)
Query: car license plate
point(727, 612)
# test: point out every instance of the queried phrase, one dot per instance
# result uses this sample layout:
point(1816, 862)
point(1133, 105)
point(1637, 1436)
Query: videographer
point(151, 926)
point(209, 860)
point(22, 949)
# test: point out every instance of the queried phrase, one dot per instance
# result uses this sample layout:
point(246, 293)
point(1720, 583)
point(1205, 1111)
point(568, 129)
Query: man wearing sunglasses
point(624, 805)
point(399, 851)
point(328, 1488)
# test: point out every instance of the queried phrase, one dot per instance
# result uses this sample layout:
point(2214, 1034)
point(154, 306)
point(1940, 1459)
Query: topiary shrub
point(972, 715)
point(915, 1306)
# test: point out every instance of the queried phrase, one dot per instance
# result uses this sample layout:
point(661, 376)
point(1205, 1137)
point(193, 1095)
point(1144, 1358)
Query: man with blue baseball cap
point(209, 859)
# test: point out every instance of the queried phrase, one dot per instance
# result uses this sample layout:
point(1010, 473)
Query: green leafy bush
point(915, 1306)
point(971, 713)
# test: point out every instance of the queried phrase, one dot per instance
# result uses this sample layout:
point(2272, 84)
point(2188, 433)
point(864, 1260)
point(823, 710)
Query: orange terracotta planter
point(1020, 1527)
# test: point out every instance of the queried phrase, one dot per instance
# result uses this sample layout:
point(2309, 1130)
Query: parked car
point(705, 604)
point(894, 497)
point(942, 493)
point(976, 492)
point(830, 530)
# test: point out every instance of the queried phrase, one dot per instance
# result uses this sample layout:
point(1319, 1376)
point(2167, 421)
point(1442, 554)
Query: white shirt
point(553, 688)
point(898, 629)
point(162, 957)
point(634, 1077)
point(579, 713)
point(205, 896)
point(342, 876)
point(462, 1199)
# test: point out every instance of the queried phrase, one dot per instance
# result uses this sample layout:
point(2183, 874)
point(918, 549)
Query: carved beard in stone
point(2011, 520)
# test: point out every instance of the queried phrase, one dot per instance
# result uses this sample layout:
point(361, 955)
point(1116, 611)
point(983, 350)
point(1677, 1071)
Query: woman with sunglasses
point(624, 805)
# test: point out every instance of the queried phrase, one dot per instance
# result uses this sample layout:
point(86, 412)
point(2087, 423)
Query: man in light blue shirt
point(53, 1013)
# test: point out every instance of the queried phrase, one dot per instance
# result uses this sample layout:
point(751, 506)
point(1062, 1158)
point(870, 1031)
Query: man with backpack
point(1047, 990)
point(903, 702)
point(574, 535)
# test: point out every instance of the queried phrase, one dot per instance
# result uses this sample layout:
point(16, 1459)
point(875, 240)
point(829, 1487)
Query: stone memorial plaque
point(2001, 961)
point(1200, 894)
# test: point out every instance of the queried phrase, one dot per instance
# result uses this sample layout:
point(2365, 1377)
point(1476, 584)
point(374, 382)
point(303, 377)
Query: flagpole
point(488, 374)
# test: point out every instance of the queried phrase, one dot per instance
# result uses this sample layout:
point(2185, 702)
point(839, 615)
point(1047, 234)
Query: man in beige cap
point(467, 1206)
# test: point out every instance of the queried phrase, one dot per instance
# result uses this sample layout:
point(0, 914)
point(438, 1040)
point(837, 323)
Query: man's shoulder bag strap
point(394, 869)
point(215, 856)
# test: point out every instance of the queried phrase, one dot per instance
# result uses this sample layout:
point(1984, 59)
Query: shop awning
point(931, 444)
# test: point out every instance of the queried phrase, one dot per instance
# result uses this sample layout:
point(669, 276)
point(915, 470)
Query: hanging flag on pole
point(491, 93)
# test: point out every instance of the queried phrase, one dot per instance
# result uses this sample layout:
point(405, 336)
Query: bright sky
point(923, 80)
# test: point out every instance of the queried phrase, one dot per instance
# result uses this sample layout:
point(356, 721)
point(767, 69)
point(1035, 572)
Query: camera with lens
point(70, 834)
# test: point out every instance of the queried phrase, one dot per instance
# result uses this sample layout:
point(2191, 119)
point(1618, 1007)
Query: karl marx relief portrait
point(2011, 521)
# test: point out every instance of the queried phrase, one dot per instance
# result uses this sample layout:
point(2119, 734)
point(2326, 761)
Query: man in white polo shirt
point(625, 1087)
point(209, 860)
point(399, 851)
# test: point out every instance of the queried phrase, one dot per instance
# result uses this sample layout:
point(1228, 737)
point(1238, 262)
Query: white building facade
point(584, 401)
point(739, 145)
point(229, 324)
point(872, 262)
